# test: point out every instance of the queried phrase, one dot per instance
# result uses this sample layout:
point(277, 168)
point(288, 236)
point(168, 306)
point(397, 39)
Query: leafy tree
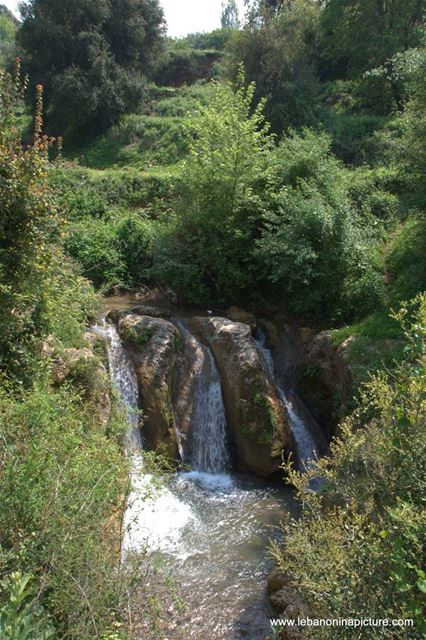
point(90, 55)
point(230, 18)
point(279, 51)
point(358, 35)
point(206, 251)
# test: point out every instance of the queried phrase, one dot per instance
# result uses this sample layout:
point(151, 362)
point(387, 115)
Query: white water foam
point(154, 517)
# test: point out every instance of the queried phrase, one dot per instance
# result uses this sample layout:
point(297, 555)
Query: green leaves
point(21, 618)
point(359, 547)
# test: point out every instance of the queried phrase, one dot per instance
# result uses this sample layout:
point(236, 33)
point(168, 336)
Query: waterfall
point(209, 452)
point(309, 440)
point(123, 375)
point(154, 517)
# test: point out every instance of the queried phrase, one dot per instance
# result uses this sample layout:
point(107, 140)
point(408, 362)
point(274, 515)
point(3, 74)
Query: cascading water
point(209, 452)
point(212, 528)
point(154, 517)
point(308, 445)
point(123, 375)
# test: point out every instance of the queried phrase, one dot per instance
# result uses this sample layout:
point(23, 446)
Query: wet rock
point(239, 315)
point(326, 377)
point(153, 312)
point(277, 579)
point(154, 344)
point(114, 316)
point(256, 420)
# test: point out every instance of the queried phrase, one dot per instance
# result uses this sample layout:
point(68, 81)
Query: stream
point(211, 526)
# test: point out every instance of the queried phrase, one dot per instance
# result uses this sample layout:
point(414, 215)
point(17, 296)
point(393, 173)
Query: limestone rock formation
point(154, 344)
point(239, 315)
point(327, 381)
point(256, 419)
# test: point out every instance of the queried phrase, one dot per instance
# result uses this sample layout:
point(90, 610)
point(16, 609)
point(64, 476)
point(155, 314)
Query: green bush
point(355, 136)
point(20, 615)
point(310, 238)
point(187, 66)
point(134, 238)
point(93, 244)
point(406, 261)
point(374, 193)
point(113, 252)
point(359, 548)
point(56, 504)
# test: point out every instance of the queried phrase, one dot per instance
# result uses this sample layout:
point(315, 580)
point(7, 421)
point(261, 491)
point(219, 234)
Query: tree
point(230, 18)
point(8, 27)
point(206, 253)
point(91, 56)
point(278, 47)
point(358, 35)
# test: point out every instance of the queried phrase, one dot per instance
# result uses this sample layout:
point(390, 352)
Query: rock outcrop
point(154, 345)
point(239, 315)
point(321, 370)
point(256, 419)
point(86, 371)
point(286, 602)
point(324, 376)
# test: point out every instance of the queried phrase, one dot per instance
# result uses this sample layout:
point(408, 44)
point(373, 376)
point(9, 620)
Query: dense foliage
point(279, 52)
point(62, 472)
point(359, 546)
point(8, 28)
point(32, 269)
point(92, 58)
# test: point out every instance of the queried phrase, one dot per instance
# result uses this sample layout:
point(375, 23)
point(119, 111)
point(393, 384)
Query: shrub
point(34, 276)
point(310, 238)
point(406, 261)
point(57, 505)
point(187, 66)
point(134, 238)
point(93, 244)
point(359, 548)
point(20, 615)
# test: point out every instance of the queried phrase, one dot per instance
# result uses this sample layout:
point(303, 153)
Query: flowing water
point(209, 451)
point(310, 441)
point(211, 527)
